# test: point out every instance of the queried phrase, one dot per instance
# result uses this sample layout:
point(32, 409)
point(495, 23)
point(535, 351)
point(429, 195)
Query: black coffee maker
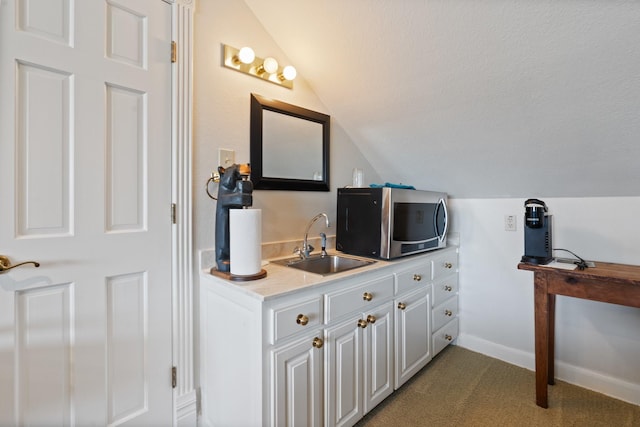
point(538, 245)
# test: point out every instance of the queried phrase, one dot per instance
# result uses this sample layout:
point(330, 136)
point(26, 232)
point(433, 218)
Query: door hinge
point(174, 377)
point(174, 214)
point(174, 52)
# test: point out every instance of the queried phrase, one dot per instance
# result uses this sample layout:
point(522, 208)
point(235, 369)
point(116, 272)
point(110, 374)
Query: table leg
point(551, 378)
point(541, 314)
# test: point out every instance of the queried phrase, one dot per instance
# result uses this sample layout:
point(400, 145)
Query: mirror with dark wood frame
point(289, 146)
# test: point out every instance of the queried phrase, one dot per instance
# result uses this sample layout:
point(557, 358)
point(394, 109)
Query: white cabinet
point(344, 372)
point(413, 333)
point(378, 355)
point(293, 317)
point(413, 319)
point(445, 299)
point(321, 351)
point(297, 381)
point(359, 368)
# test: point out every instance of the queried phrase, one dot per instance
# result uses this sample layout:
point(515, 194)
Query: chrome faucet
point(306, 249)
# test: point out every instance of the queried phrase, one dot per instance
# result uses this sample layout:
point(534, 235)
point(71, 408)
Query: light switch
point(226, 157)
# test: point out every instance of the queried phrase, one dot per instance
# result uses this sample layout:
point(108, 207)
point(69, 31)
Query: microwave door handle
point(443, 205)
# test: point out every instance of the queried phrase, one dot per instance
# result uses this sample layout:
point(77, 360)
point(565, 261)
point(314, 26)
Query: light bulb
point(246, 55)
point(270, 65)
point(289, 72)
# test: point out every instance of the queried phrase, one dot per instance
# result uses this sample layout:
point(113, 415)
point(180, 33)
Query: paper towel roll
point(245, 241)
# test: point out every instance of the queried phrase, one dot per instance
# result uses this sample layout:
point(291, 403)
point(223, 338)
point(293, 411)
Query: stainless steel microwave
point(390, 222)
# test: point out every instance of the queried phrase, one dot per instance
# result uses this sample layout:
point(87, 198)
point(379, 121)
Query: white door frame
point(185, 398)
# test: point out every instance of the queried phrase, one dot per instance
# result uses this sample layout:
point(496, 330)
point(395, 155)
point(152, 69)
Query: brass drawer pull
point(362, 323)
point(367, 296)
point(402, 305)
point(448, 288)
point(448, 265)
point(302, 319)
point(317, 342)
point(417, 277)
point(448, 312)
point(448, 337)
point(371, 319)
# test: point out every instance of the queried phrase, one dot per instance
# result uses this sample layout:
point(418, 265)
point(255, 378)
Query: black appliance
point(234, 192)
point(388, 222)
point(538, 246)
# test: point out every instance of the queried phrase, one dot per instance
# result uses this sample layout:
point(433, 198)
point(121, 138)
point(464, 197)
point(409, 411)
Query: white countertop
point(283, 280)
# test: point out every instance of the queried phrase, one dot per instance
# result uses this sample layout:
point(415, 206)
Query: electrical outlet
point(510, 223)
point(226, 157)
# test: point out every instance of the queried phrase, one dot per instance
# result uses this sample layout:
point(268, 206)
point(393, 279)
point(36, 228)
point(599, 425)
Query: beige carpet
point(463, 388)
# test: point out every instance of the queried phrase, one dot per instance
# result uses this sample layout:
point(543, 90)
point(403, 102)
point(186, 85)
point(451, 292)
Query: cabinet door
point(378, 355)
point(413, 334)
point(344, 370)
point(297, 382)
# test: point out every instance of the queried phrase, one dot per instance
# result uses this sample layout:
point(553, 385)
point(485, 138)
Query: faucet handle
point(323, 244)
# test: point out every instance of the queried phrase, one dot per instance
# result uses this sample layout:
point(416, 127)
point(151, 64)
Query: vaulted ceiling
point(479, 98)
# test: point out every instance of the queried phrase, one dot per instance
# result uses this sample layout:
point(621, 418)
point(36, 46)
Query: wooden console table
point(606, 282)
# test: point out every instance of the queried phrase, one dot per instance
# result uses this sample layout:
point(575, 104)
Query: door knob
point(5, 264)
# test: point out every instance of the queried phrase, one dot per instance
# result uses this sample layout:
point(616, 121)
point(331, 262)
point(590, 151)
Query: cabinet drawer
point(444, 264)
point(296, 317)
point(445, 312)
point(358, 298)
point(444, 336)
point(413, 278)
point(444, 289)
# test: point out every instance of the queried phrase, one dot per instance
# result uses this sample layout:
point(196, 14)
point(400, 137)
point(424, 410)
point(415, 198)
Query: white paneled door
point(85, 190)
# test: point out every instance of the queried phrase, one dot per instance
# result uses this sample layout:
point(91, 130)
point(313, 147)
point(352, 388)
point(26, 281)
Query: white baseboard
point(187, 410)
point(610, 386)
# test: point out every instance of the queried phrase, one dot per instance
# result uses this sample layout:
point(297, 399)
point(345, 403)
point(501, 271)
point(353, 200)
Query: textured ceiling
point(478, 98)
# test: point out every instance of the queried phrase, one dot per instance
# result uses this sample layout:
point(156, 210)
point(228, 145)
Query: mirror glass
point(289, 146)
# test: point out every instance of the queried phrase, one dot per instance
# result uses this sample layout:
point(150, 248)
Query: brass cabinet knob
point(448, 288)
point(367, 296)
point(371, 319)
point(448, 312)
point(402, 305)
point(448, 337)
point(317, 342)
point(302, 319)
point(448, 265)
point(417, 277)
point(362, 323)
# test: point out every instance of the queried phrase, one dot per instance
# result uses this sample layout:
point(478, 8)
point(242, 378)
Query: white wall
point(221, 120)
point(597, 344)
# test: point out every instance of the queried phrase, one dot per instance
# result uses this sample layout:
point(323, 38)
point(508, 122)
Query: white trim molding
point(185, 396)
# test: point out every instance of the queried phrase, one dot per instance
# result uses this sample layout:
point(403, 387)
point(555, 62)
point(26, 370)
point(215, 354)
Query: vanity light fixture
point(245, 61)
point(288, 73)
point(269, 65)
point(245, 55)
